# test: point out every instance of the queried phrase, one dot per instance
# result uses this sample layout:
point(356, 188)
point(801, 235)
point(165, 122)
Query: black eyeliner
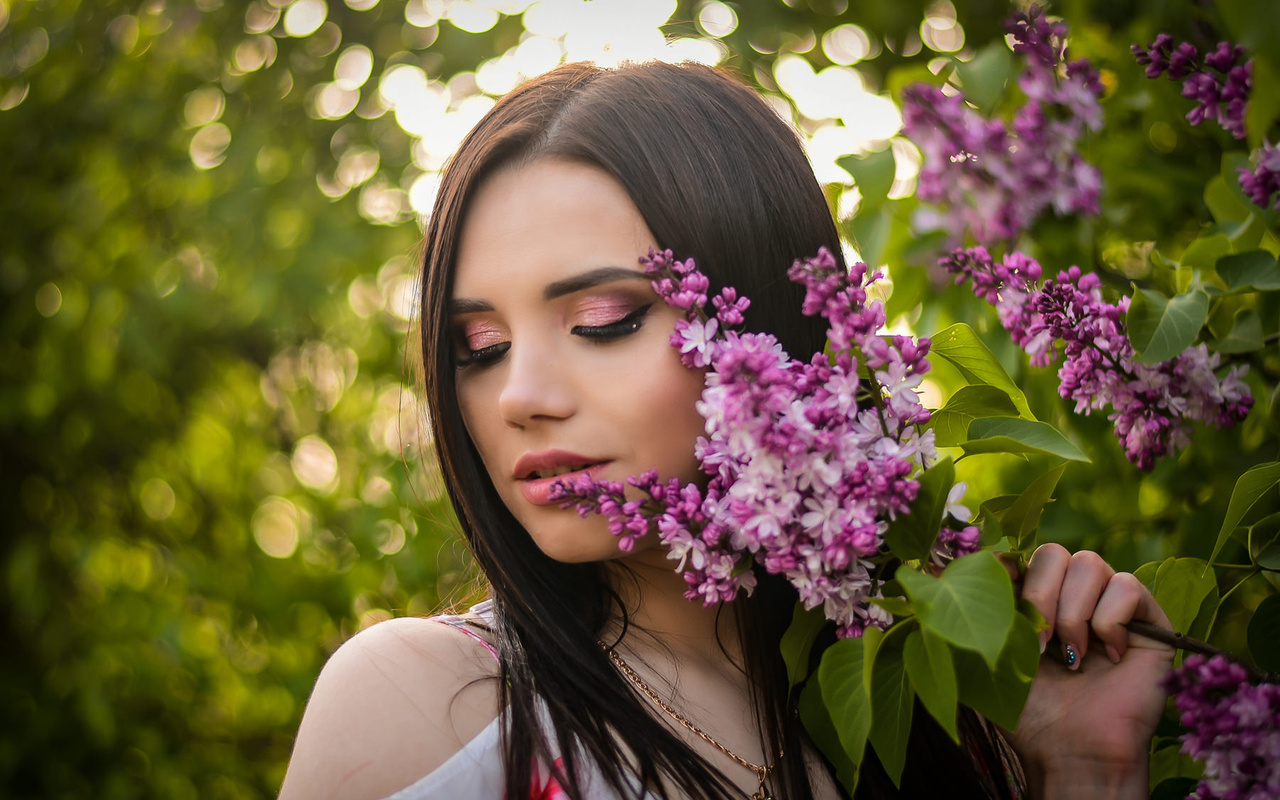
point(482, 356)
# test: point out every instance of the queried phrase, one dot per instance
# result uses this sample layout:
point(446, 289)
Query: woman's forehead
point(544, 222)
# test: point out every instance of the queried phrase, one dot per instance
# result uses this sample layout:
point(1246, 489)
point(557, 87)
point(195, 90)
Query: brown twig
point(1182, 641)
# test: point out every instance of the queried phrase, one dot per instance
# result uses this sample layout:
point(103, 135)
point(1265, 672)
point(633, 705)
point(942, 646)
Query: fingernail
point(1070, 657)
point(1044, 642)
point(1113, 654)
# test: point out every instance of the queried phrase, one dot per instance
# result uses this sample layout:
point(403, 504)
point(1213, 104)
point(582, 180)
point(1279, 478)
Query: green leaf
point(1146, 574)
point(1268, 557)
point(1174, 788)
point(870, 639)
point(892, 702)
point(1250, 487)
point(933, 674)
point(962, 348)
point(1161, 328)
point(992, 530)
point(843, 675)
point(1023, 517)
point(1206, 616)
point(911, 285)
point(1264, 634)
point(970, 604)
point(897, 606)
point(1170, 762)
point(1013, 435)
point(1032, 614)
point(1264, 101)
point(1223, 203)
point(1232, 162)
point(1205, 251)
point(1180, 587)
point(951, 422)
point(999, 504)
point(911, 535)
point(1245, 234)
point(869, 232)
point(1000, 693)
point(983, 77)
point(905, 75)
point(1255, 269)
point(1245, 335)
point(818, 724)
point(797, 641)
point(872, 175)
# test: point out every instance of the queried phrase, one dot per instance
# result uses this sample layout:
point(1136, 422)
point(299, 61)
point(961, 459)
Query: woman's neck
point(654, 596)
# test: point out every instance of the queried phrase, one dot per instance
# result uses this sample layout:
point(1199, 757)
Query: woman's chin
point(573, 550)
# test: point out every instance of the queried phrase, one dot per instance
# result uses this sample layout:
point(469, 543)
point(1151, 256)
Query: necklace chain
point(762, 772)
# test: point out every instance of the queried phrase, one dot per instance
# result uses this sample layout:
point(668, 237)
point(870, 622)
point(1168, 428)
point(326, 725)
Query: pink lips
point(538, 490)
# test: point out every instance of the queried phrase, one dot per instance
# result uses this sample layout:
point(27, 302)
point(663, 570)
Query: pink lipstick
point(538, 472)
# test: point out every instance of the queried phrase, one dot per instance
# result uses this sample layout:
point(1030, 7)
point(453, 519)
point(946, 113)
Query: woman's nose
point(535, 388)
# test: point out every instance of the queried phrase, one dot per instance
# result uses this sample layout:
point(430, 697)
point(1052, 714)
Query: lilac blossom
point(1151, 404)
point(1262, 181)
point(953, 543)
point(806, 464)
point(1219, 83)
point(995, 180)
point(1234, 728)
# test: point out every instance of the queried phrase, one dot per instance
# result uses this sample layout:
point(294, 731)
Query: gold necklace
point(762, 772)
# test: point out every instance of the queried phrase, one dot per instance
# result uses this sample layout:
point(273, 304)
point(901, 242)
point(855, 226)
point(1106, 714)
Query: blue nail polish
point(1069, 656)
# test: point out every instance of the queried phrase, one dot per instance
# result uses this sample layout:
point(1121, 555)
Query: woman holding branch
point(548, 364)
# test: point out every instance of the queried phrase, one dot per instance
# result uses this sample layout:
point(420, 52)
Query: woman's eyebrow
point(591, 278)
point(556, 289)
point(468, 306)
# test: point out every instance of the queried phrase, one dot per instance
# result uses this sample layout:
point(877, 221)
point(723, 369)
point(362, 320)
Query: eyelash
point(626, 326)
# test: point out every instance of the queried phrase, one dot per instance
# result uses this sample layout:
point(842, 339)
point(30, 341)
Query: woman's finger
point(1087, 576)
point(1043, 583)
point(1124, 599)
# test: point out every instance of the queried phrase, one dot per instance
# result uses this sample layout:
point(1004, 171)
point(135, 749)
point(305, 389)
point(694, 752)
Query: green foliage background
point(201, 366)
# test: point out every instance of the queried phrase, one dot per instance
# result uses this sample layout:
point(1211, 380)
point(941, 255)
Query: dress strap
point(461, 623)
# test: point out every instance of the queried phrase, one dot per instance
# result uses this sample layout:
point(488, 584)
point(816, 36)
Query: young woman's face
point(563, 348)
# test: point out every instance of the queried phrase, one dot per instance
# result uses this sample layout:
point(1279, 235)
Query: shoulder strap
point(460, 623)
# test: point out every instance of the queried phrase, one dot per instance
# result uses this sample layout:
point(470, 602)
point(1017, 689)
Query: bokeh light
point(48, 299)
point(717, 19)
point(847, 44)
point(304, 17)
point(209, 145)
point(276, 527)
point(315, 464)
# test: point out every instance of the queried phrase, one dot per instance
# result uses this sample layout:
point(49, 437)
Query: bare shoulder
point(391, 705)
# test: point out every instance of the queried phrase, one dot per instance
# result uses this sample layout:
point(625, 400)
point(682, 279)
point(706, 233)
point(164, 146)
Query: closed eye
point(482, 357)
point(614, 330)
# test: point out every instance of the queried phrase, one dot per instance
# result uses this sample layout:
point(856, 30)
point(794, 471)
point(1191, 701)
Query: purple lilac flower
point(1234, 728)
point(994, 180)
point(806, 463)
point(1151, 404)
point(1219, 83)
point(1262, 182)
point(952, 544)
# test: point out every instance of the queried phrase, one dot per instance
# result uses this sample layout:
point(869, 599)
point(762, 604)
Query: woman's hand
point(1087, 726)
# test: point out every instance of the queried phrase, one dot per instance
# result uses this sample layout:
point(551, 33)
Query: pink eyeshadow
point(595, 311)
point(479, 335)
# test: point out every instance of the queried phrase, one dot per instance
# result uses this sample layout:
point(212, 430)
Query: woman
point(546, 354)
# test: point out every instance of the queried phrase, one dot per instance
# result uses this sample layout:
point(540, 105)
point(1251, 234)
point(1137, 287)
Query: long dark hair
point(717, 176)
